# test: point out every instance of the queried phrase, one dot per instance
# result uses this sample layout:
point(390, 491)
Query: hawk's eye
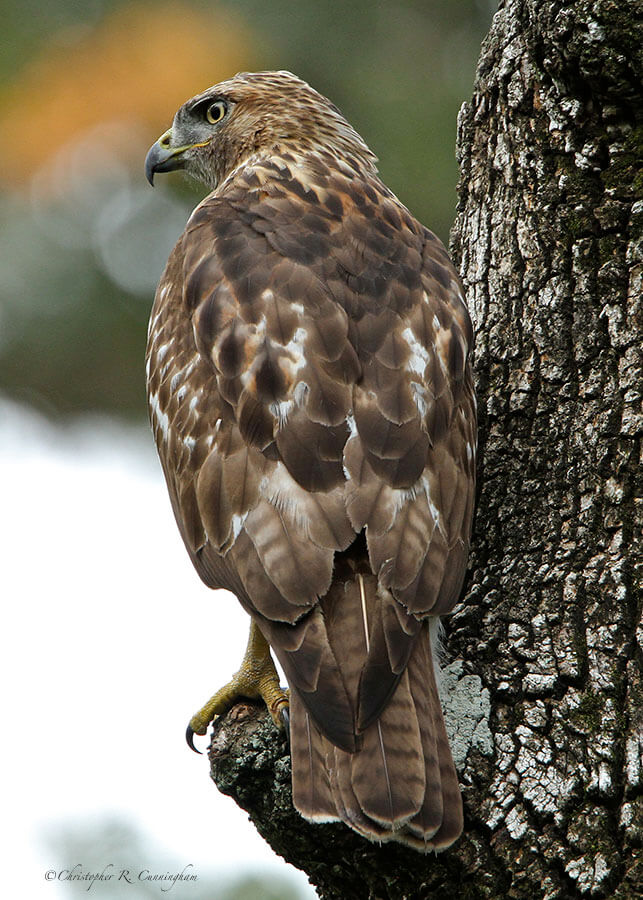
point(215, 112)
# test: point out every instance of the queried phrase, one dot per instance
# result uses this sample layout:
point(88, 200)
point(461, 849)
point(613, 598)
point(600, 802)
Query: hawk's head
point(250, 114)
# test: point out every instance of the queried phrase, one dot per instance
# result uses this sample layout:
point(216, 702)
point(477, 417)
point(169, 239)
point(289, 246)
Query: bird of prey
point(311, 396)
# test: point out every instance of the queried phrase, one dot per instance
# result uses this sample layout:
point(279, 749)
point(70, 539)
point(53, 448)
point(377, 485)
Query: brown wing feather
point(311, 398)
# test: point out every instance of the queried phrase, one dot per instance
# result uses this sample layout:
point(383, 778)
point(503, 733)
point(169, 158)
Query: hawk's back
point(311, 397)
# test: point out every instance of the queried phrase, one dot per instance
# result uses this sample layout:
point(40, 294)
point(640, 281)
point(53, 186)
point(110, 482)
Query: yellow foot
point(257, 678)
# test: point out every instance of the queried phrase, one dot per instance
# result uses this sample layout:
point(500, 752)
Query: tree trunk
point(544, 698)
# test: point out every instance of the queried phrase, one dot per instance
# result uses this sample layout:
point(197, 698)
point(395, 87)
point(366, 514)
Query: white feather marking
point(161, 353)
point(436, 637)
point(283, 492)
point(281, 411)
point(237, 524)
point(161, 418)
point(300, 393)
point(260, 327)
point(443, 339)
point(435, 512)
point(152, 323)
point(419, 354)
point(181, 375)
point(362, 597)
point(191, 366)
point(388, 780)
point(295, 350)
point(419, 394)
point(405, 495)
point(210, 439)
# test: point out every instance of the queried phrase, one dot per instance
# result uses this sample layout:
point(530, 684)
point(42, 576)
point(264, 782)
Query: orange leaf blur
point(137, 66)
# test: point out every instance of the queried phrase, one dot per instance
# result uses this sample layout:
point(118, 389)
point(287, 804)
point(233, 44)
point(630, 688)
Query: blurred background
point(110, 642)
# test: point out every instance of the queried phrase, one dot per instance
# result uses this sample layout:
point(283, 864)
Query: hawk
point(311, 396)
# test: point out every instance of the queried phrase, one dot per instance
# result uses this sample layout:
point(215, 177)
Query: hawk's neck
point(307, 168)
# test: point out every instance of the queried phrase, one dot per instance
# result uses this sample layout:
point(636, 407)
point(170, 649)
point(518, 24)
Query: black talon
point(189, 737)
point(285, 718)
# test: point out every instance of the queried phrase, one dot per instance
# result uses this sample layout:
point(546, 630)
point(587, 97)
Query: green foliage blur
point(85, 238)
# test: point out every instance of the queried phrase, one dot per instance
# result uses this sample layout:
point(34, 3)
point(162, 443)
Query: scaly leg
point(257, 678)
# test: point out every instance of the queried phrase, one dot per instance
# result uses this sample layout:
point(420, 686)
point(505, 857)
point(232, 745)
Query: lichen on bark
point(548, 242)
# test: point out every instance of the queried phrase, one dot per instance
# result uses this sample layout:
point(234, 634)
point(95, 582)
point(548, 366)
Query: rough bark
point(544, 696)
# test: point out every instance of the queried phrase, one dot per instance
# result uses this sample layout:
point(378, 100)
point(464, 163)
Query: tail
point(400, 783)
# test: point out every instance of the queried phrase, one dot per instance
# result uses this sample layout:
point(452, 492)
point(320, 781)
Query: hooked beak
point(162, 157)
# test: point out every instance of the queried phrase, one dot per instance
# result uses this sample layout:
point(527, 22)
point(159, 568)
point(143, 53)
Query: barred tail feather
point(388, 772)
point(310, 775)
point(400, 783)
